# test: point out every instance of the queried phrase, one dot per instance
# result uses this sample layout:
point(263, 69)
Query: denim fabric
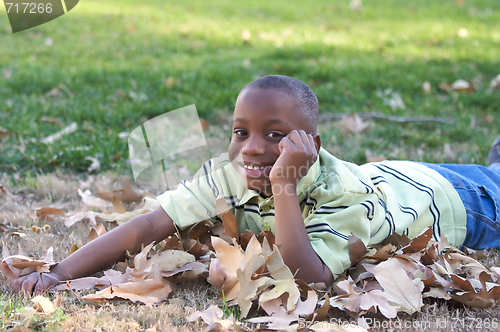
point(479, 188)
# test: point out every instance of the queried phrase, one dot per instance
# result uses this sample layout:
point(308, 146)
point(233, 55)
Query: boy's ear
point(317, 141)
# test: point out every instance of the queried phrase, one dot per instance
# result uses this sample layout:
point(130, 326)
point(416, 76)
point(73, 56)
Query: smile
point(255, 171)
point(254, 167)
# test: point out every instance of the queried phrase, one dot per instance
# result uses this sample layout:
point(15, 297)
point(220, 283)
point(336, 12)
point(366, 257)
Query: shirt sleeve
point(329, 224)
point(194, 201)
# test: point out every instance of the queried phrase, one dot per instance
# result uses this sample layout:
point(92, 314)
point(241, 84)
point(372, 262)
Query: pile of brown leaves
point(385, 279)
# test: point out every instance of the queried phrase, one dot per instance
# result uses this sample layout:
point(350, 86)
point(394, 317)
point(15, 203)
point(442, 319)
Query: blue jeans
point(479, 188)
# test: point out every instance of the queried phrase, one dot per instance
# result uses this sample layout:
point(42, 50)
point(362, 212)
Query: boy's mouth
point(255, 170)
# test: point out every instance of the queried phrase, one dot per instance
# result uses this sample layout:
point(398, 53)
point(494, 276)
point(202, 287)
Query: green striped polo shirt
point(337, 198)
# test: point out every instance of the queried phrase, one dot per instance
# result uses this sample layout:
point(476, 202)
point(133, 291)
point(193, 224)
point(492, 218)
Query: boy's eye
point(239, 132)
point(274, 135)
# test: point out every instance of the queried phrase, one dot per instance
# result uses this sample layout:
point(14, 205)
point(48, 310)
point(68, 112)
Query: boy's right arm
point(103, 251)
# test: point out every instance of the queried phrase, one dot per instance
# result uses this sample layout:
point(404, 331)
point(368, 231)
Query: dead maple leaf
point(92, 201)
point(4, 132)
point(396, 240)
point(228, 218)
point(43, 305)
point(148, 291)
point(46, 213)
point(216, 275)
point(357, 248)
point(126, 195)
point(437, 292)
point(169, 82)
point(52, 120)
point(473, 267)
point(188, 272)
point(249, 288)
point(398, 287)
point(481, 299)
point(204, 124)
point(15, 266)
point(231, 258)
point(361, 300)
point(462, 86)
point(160, 262)
point(111, 277)
point(279, 317)
point(353, 123)
point(117, 205)
point(122, 217)
point(284, 281)
point(213, 318)
point(90, 215)
point(419, 242)
point(96, 232)
point(494, 85)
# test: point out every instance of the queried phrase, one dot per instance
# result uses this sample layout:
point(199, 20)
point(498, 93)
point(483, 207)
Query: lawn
point(109, 66)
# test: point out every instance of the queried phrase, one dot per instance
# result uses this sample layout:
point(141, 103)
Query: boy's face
point(261, 119)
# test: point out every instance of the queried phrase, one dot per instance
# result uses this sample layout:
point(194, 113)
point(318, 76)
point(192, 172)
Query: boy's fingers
point(18, 283)
point(28, 285)
point(311, 140)
point(285, 143)
point(297, 138)
point(305, 140)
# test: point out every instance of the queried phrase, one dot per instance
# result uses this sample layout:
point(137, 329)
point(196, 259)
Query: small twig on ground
point(387, 117)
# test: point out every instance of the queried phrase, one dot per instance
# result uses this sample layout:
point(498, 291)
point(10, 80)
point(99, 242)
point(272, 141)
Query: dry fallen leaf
point(46, 213)
point(213, 318)
point(111, 277)
point(494, 86)
point(461, 85)
point(14, 266)
point(94, 166)
point(4, 132)
point(398, 287)
point(149, 291)
point(92, 201)
point(90, 215)
point(284, 281)
point(357, 248)
point(43, 304)
point(280, 317)
point(204, 124)
point(426, 86)
point(232, 258)
point(149, 205)
point(126, 195)
point(249, 286)
point(169, 82)
point(391, 99)
point(95, 233)
point(353, 123)
point(228, 218)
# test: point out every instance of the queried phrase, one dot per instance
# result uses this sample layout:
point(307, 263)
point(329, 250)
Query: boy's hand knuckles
point(18, 283)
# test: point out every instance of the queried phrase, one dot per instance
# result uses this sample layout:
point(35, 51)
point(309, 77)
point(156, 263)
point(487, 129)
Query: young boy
point(277, 177)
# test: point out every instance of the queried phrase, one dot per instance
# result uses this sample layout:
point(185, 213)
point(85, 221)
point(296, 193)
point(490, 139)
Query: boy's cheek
point(234, 152)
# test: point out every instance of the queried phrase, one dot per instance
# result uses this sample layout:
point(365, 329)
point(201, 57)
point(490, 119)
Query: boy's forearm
point(290, 232)
point(111, 247)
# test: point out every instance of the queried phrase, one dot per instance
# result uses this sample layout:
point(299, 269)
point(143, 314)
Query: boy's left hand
point(297, 153)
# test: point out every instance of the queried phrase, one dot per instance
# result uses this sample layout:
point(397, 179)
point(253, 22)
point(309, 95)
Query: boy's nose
point(253, 145)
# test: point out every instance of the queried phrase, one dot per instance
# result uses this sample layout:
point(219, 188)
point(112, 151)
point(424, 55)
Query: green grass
point(346, 56)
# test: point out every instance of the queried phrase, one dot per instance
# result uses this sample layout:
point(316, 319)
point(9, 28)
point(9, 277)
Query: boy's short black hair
point(304, 96)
